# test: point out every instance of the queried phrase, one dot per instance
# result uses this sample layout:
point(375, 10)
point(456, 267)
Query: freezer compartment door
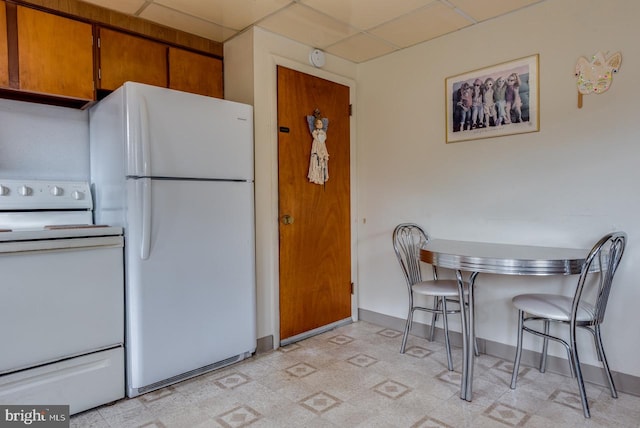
point(190, 287)
point(176, 134)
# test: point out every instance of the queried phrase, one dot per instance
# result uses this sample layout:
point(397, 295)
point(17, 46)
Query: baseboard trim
point(593, 374)
point(265, 344)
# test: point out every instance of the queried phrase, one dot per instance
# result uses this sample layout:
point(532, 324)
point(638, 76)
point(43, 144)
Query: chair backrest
point(598, 271)
point(408, 238)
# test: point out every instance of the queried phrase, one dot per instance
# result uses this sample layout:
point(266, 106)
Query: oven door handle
point(146, 218)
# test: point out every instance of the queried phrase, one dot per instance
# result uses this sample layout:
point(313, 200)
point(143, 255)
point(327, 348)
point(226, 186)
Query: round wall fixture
point(316, 58)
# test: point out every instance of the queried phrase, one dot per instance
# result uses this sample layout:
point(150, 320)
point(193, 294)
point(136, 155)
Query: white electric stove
point(62, 305)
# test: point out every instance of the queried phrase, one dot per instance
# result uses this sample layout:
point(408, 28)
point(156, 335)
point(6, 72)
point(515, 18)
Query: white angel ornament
point(319, 162)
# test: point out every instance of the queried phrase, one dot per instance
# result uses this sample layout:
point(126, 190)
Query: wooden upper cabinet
point(55, 54)
point(124, 57)
point(51, 58)
point(192, 72)
point(4, 50)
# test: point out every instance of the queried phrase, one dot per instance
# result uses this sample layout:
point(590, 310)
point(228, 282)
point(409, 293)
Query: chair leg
point(570, 359)
point(446, 333)
point(434, 318)
point(595, 341)
point(603, 358)
point(578, 372)
point(407, 327)
point(545, 346)
point(516, 362)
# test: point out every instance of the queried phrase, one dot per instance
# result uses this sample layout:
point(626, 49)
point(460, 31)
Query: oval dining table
point(494, 258)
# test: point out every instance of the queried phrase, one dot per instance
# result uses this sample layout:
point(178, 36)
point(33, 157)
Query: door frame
point(275, 216)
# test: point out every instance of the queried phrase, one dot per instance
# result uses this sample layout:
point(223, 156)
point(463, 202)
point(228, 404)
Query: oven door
point(60, 298)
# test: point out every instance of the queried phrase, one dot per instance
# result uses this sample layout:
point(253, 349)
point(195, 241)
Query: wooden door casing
point(314, 250)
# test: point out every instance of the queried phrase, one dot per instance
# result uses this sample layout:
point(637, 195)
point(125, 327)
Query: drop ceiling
point(356, 30)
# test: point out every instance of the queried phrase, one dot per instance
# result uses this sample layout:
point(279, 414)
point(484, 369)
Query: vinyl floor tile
point(354, 376)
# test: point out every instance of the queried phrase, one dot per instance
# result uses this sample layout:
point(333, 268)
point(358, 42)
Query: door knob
point(287, 219)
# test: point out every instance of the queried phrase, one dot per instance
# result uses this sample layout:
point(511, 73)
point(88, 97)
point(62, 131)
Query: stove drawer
point(58, 304)
point(82, 383)
point(57, 244)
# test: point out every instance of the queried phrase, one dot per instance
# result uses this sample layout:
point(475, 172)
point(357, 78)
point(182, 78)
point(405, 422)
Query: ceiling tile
point(486, 9)
point(129, 7)
point(235, 14)
point(187, 23)
point(427, 23)
point(307, 26)
point(331, 25)
point(364, 14)
point(360, 47)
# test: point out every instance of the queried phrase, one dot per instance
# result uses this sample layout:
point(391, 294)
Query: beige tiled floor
point(354, 376)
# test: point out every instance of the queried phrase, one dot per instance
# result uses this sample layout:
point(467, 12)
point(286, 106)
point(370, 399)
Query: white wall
point(43, 142)
point(566, 185)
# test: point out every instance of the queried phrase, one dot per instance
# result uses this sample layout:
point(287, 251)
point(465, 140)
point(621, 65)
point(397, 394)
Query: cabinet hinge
point(98, 42)
point(99, 74)
point(350, 109)
point(352, 288)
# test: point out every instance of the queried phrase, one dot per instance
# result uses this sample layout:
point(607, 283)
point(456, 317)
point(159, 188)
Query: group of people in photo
point(490, 102)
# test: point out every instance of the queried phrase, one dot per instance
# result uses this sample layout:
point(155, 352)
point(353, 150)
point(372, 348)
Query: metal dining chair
point(408, 238)
point(585, 309)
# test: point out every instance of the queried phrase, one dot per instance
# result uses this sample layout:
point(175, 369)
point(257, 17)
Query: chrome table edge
point(505, 259)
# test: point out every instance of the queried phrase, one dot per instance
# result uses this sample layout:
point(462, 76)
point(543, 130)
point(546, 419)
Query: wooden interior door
point(315, 244)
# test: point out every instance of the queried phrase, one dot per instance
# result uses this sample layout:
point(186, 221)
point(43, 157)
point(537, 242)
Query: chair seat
point(552, 306)
point(440, 287)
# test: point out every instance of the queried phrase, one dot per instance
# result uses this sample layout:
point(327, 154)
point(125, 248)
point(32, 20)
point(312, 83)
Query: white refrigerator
point(176, 171)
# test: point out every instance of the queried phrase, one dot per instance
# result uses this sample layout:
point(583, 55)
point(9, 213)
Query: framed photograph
point(493, 101)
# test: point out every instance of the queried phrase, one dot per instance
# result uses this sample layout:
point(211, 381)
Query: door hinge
point(350, 109)
point(352, 288)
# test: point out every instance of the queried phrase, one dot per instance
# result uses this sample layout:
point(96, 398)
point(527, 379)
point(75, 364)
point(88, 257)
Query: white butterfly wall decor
point(595, 74)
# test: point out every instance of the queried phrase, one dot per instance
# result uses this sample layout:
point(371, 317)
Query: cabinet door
point(55, 54)
point(192, 72)
point(4, 51)
point(124, 57)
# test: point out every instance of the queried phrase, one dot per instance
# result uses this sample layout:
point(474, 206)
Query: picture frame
point(472, 115)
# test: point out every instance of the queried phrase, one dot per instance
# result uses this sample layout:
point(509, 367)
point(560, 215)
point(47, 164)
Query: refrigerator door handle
point(145, 159)
point(146, 218)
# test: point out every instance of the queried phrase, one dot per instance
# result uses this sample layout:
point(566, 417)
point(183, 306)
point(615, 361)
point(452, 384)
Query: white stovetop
point(33, 210)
